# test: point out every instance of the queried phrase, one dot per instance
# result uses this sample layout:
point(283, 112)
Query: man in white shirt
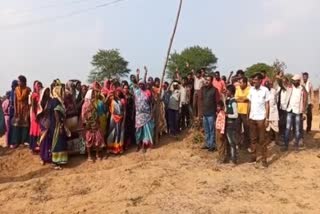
point(197, 102)
point(282, 105)
point(259, 112)
point(296, 102)
point(308, 86)
point(185, 92)
point(173, 109)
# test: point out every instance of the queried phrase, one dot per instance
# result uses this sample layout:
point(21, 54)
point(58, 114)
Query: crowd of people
point(235, 113)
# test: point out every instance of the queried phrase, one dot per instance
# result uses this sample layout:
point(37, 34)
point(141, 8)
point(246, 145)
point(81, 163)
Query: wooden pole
point(165, 66)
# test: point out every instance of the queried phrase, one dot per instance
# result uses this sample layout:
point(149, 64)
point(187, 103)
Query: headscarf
point(57, 93)
point(87, 103)
point(40, 109)
point(106, 87)
point(96, 86)
point(88, 95)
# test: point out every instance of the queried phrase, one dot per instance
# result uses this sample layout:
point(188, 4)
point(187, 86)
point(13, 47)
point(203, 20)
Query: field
point(175, 177)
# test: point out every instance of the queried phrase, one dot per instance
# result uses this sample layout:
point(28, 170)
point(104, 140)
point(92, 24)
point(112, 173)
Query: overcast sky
point(240, 32)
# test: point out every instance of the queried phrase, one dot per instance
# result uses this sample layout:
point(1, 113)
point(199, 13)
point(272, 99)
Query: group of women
point(112, 117)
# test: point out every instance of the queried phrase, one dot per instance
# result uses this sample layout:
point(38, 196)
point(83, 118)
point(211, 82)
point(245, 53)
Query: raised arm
point(145, 73)
point(230, 76)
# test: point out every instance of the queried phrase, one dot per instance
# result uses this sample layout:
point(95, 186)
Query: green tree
point(108, 64)
point(259, 67)
point(195, 57)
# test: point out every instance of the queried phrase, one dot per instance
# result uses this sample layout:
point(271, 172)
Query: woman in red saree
point(35, 130)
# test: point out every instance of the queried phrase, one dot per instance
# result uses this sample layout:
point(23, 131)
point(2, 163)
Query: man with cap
point(296, 101)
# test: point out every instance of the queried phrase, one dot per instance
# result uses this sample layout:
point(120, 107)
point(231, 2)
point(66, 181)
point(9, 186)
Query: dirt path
point(176, 177)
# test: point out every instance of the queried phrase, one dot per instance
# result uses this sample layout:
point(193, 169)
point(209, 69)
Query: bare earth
point(175, 177)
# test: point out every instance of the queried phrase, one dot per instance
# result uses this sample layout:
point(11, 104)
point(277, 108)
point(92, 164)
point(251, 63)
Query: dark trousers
point(173, 117)
point(282, 123)
point(309, 118)
point(197, 104)
point(245, 140)
point(257, 135)
point(185, 116)
point(231, 137)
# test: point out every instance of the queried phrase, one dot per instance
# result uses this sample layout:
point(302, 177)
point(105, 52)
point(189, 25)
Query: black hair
point(217, 72)
point(263, 71)
point(124, 82)
point(258, 75)
point(220, 103)
point(244, 79)
point(22, 79)
point(224, 78)
point(211, 77)
point(240, 72)
point(157, 79)
point(189, 74)
point(198, 71)
point(232, 89)
point(116, 84)
point(305, 74)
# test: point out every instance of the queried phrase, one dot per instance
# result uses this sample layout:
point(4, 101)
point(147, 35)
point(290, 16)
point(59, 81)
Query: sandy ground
point(175, 177)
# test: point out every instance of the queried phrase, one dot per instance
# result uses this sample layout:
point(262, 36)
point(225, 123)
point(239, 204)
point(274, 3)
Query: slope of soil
point(175, 177)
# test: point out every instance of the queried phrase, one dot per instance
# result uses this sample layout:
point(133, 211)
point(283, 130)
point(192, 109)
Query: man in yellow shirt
point(241, 97)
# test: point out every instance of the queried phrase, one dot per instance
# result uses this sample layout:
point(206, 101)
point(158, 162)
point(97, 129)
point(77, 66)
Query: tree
point(279, 66)
point(259, 67)
point(195, 57)
point(108, 64)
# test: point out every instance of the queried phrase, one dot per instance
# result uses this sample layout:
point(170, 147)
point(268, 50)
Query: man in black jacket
point(210, 98)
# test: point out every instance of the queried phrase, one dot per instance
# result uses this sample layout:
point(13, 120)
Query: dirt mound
point(175, 177)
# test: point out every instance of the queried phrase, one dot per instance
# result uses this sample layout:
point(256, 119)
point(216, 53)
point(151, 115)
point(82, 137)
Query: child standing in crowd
point(232, 115)
point(220, 133)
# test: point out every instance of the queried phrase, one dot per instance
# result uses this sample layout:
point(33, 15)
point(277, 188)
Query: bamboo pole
point(165, 67)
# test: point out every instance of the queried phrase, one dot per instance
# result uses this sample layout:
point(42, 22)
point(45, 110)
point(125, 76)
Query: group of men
point(257, 110)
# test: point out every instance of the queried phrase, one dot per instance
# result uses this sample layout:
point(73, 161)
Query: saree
point(93, 134)
point(45, 116)
point(159, 112)
point(115, 136)
point(2, 122)
point(6, 111)
point(20, 121)
point(144, 121)
point(59, 139)
point(35, 130)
